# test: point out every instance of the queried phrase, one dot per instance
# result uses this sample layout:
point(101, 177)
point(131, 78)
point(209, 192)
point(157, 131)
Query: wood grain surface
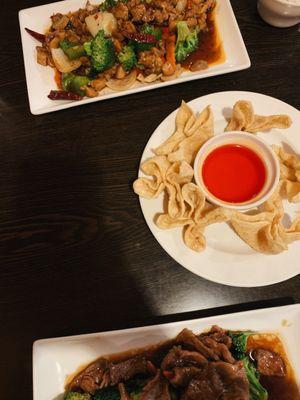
point(76, 254)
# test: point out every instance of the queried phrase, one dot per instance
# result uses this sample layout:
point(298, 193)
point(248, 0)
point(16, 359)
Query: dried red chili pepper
point(38, 36)
point(140, 37)
point(63, 95)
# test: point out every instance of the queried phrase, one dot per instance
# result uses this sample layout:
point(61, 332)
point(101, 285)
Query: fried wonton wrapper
point(194, 200)
point(177, 175)
point(264, 231)
point(150, 188)
point(184, 206)
point(204, 121)
point(187, 125)
point(183, 115)
point(292, 233)
point(197, 133)
point(244, 119)
point(194, 234)
point(197, 216)
point(289, 174)
point(189, 147)
point(164, 221)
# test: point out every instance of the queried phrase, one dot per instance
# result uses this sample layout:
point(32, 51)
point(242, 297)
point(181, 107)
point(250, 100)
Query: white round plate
point(227, 259)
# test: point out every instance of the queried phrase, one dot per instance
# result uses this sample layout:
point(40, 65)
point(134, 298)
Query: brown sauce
point(154, 353)
point(279, 388)
point(210, 46)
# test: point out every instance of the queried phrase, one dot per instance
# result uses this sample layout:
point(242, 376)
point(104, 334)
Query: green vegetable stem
point(77, 396)
point(256, 390)
point(239, 351)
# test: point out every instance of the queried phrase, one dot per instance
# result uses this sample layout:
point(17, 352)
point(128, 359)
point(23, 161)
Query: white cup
point(259, 147)
point(280, 13)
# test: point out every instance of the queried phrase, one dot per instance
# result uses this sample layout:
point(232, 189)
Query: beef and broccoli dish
point(214, 365)
point(119, 43)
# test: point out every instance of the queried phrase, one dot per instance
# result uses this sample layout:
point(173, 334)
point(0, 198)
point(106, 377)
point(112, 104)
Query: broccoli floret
point(77, 396)
point(239, 343)
point(88, 48)
point(107, 4)
point(187, 41)
point(102, 52)
point(135, 386)
point(256, 390)
point(127, 57)
point(157, 32)
point(108, 393)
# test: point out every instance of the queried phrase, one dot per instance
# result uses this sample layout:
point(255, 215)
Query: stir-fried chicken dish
point(121, 42)
point(218, 364)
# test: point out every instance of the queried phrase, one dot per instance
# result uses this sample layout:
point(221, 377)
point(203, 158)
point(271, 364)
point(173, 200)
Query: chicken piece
point(42, 55)
point(98, 84)
point(59, 22)
point(90, 92)
point(151, 61)
point(138, 12)
point(120, 11)
point(127, 26)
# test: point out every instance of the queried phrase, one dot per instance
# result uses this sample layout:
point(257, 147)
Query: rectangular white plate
point(55, 359)
point(40, 80)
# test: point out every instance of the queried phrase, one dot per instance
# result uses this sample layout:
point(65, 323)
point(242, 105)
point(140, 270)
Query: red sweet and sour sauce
point(233, 173)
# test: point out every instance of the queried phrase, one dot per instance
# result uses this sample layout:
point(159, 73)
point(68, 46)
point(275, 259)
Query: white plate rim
point(156, 233)
point(25, 39)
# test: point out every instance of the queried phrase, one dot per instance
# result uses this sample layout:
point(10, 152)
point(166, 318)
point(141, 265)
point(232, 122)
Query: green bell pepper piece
point(71, 49)
point(73, 83)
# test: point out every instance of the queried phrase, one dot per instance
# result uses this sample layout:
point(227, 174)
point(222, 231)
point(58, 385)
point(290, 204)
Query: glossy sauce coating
point(233, 173)
point(279, 388)
point(210, 47)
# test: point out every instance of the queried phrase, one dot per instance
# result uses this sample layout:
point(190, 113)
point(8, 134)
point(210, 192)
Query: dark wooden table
point(76, 253)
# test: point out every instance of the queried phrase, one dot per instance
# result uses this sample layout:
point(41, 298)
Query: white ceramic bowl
point(280, 13)
point(259, 147)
